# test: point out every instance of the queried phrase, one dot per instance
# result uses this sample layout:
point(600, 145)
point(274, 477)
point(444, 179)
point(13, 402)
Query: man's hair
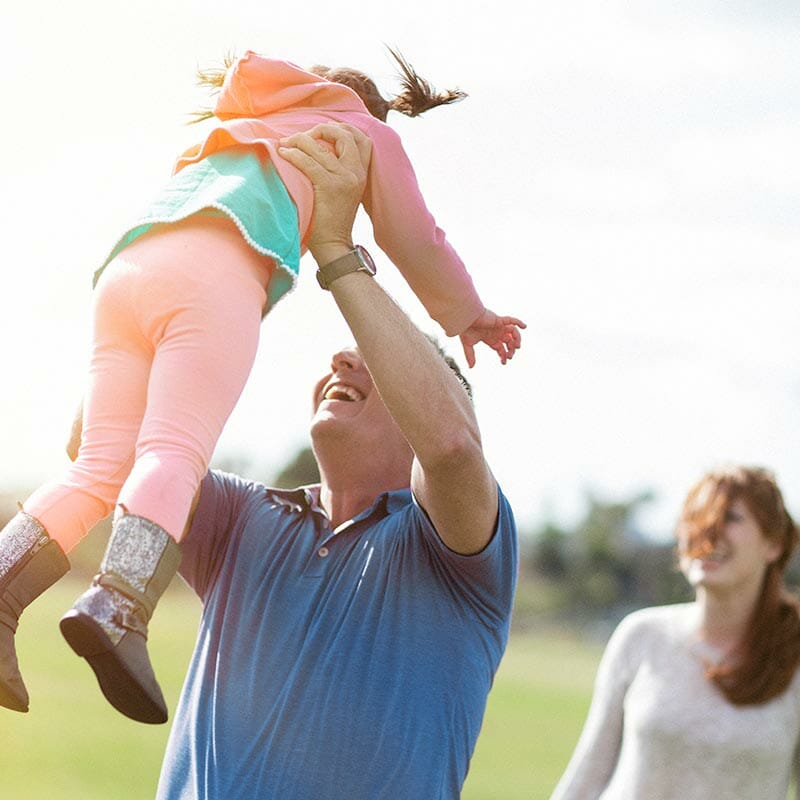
point(451, 362)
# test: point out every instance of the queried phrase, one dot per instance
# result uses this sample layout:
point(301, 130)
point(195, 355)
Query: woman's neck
point(723, 617)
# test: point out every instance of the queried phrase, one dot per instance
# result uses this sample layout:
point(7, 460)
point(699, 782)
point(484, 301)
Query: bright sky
point(623, 176)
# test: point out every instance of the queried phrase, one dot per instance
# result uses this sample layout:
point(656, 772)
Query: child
point(177, 309)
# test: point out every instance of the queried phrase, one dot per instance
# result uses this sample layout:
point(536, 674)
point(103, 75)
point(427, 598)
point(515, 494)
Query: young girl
point(177, 310)
point(702, 699)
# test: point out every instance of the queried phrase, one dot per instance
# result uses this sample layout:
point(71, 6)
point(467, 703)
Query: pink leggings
point(176, 324)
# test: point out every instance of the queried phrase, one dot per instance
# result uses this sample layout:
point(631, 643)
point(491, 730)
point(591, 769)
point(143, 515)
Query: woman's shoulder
point(669, 621)
point(646, 633)
point(659, 616)
point(641, 635)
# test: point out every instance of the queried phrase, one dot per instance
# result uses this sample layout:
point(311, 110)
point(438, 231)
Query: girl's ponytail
point(418, 95)
point(211, 78)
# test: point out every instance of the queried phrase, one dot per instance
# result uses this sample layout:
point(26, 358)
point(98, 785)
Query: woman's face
point(739, 555)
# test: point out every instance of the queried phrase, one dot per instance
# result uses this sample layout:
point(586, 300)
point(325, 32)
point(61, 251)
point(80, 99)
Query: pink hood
point(256, 86)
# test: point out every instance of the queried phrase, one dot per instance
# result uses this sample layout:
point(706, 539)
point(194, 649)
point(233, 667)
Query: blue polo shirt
point(347, 664)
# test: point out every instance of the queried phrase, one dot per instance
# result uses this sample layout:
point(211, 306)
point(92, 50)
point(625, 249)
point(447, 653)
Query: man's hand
point(339, 176)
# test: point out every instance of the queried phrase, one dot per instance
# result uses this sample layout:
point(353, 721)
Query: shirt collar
point(307, 497)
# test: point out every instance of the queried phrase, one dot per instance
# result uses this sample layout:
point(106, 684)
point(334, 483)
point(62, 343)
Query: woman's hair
point(416, 97)
point(765, 661)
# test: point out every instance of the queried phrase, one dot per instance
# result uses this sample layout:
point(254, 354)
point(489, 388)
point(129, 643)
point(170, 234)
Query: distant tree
point(656, 577)
point(236, 463)
point(603, 566)
point(548, 551)
point(300, 471)
point(600, 566)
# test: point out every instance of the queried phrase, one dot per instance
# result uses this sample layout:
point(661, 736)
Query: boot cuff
point(23, 534)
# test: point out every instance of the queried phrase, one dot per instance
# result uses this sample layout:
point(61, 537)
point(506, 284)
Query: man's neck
point(353, 475)
point(344, 496)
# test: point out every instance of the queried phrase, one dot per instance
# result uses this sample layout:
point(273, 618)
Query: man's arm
point(450, 476)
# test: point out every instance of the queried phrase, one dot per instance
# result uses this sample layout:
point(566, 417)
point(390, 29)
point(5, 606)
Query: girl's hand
point(502, 334)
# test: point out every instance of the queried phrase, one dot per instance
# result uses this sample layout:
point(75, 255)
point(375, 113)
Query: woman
point(702, 699)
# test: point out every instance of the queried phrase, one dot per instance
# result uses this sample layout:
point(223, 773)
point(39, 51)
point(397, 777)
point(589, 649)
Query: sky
point(625, 177)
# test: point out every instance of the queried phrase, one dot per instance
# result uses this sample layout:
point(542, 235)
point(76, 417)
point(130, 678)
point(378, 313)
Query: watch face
point(366, 260)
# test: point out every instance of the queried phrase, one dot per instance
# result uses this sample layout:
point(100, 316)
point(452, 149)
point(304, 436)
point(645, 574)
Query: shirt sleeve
point(218, 516)
point(486, 579)
point(406, 231)
point(595, 757)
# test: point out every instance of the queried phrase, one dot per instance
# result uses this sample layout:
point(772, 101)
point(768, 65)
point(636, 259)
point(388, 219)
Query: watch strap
point(354, 261)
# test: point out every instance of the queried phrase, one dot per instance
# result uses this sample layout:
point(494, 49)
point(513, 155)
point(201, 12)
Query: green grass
point(533, 718)
point(74, 746)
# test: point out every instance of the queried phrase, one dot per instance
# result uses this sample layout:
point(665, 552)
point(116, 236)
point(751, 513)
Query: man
point(350, 631)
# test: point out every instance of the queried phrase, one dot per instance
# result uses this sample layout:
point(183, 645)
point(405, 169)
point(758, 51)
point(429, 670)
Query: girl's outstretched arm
point(502, 334)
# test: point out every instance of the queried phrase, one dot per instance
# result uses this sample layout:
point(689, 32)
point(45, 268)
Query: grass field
point(74, 746)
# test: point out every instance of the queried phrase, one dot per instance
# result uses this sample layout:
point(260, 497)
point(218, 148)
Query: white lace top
point(659, 730)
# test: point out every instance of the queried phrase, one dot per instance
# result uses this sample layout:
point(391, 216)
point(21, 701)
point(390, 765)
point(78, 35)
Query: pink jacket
point(263, 100)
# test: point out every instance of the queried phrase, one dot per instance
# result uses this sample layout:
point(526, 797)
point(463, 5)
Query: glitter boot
point(30, 562)
point(107, 625)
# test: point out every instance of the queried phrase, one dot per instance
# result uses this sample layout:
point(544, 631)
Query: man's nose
point(348, 359)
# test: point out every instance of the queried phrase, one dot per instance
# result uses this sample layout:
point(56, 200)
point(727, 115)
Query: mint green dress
point(241, 184)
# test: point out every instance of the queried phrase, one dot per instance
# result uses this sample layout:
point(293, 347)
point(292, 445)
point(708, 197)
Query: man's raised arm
point(450, 477)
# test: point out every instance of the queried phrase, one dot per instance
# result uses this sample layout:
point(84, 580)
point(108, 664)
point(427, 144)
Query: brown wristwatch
point(357, 260)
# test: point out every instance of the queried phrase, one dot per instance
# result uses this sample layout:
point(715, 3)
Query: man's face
point(346, 404)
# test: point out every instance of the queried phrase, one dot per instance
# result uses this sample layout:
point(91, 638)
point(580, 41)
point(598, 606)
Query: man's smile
point(342, 391)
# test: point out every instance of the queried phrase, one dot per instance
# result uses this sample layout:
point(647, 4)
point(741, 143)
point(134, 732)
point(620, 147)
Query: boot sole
point(9, 699)
point(119, 687)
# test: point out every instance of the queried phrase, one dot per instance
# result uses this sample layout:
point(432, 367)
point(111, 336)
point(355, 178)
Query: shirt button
point(323, 552)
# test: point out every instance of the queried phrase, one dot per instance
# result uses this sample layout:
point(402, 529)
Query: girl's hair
point(417, 96)
point(765, 661)
point(211, 78)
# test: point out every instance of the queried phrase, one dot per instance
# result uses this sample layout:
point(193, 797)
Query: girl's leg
point(173, 348)
point(56, 516)
point(205, 340)
point(113, 409)
point(206, 349)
